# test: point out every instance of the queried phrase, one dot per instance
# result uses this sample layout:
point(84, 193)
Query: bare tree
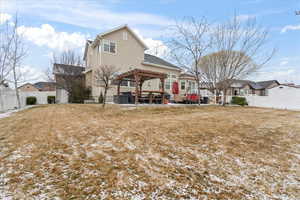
point(189, 43)
point(210, 72)
point(216, 76)
point(16, 57)
point(240, 50)
point(5, 52)
point(68, 57)
point(104, 75)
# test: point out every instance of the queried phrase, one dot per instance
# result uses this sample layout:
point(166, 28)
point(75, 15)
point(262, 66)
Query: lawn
point(208, 152)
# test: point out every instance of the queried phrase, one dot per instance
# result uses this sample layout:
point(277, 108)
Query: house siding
point(129, 55)
point(28, 88)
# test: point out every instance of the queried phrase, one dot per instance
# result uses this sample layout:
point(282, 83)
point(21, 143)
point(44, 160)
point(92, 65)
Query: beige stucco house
point(122, 48)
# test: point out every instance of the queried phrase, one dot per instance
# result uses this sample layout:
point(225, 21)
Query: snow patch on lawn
point(10, 112)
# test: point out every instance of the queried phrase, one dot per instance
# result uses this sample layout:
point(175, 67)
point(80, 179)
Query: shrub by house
point(30, 100)
point(239, 101)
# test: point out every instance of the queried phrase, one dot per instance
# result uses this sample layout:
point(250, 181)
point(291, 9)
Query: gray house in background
point(246, 87)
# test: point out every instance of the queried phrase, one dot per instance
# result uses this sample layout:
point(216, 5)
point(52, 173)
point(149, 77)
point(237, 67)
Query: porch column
point(163, 90)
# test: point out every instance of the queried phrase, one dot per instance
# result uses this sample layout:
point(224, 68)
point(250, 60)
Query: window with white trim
point(109, 46)
point(192, 87)
point(125, 36)
point(182, 84)
point(170, 80)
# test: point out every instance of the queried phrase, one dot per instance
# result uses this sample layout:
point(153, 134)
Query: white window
point(170, 80)
point(168, 85)
point(125, 36)
point(182, 85)
point(192, 87)
point(109, 46)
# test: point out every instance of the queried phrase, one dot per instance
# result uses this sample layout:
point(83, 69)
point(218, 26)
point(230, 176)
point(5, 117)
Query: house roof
point(71, 70)
point(119, 28)
point(88, 42)
point(49, 86)
point(266, 84)
point(256, 85)
point(158, 61)
point(288, 85)
point(28, 84)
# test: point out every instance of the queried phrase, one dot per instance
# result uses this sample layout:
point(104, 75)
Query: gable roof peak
point(119, 28)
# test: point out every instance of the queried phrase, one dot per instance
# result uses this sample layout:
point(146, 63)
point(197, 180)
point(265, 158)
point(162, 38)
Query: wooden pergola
point(139, 76)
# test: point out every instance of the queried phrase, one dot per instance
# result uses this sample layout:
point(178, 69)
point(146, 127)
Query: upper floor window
point(125, 36)
point(109, 46)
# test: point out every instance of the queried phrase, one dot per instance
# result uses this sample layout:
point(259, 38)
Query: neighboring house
point(45, 86)
point(245, 87)
point(66, 78)
point(28, 87)
point(122, 48)
point(39, 86)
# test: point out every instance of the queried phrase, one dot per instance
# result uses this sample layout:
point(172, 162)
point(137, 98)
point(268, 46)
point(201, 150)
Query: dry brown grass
point(85, 152)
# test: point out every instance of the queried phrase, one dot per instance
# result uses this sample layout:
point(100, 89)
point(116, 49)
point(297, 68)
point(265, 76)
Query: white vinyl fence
point(282, 97)
point(8, 99)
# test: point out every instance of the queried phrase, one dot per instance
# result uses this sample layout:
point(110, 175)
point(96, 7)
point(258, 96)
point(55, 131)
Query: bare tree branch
point(103, 76)
point(68, 57)
point(17, 55)
point(189, 43)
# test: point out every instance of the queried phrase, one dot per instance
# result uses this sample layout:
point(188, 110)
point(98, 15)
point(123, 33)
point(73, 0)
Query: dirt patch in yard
point(85, 152)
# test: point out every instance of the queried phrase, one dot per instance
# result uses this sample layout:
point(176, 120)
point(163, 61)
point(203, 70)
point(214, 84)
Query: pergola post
point(163, 89)
point(141, 86)
point(119, 83)
point(137, 80)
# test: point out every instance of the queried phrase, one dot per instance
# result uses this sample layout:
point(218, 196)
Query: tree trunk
point(215, 96)
point(199, 97)
point(16, 86)
point(224, 97)
point(104, 97)
point(1, 101)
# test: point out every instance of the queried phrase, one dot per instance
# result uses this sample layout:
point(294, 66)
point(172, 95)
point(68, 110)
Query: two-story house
point(122, 48)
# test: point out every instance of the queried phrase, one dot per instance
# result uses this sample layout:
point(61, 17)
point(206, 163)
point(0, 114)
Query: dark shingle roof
point(266, 84)
point(256, 85)
point(45, 86)
point(158, 61)
point(71, 70)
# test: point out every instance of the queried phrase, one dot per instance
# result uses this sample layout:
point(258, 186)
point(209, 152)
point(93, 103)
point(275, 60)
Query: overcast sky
point(52, 26)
